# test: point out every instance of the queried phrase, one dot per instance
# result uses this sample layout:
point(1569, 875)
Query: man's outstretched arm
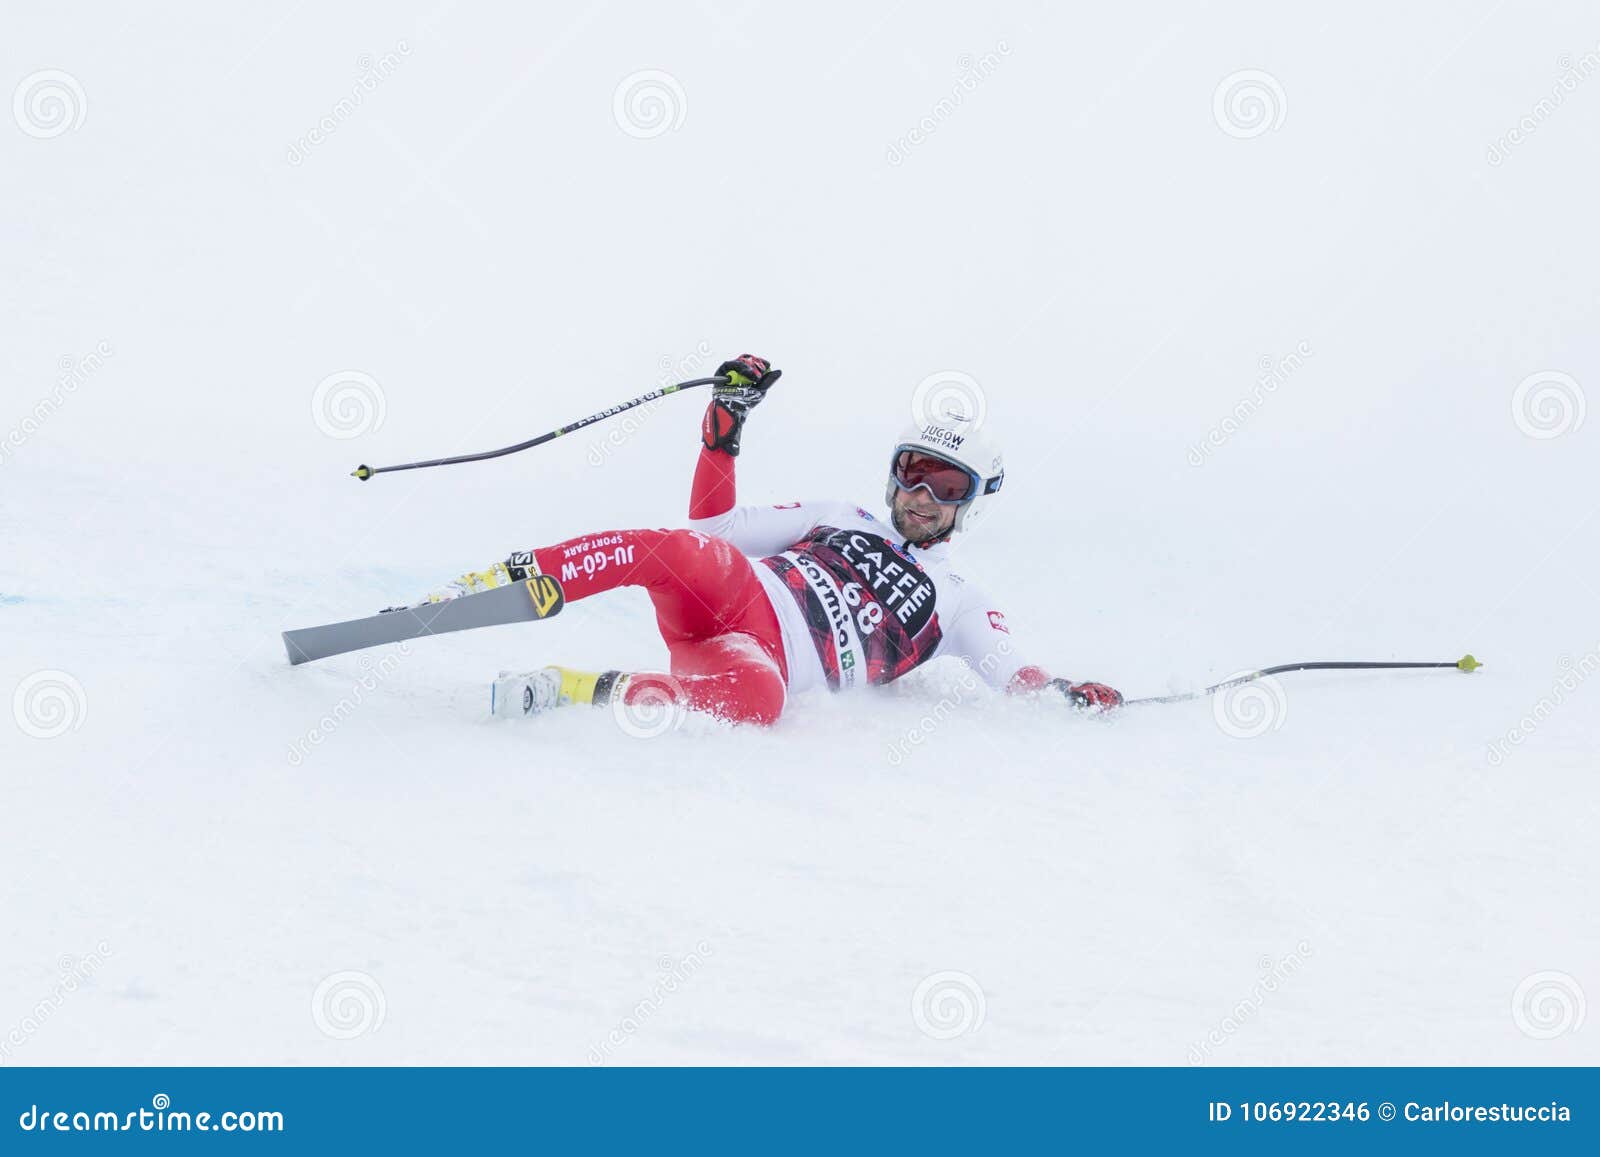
point(983, 639)
point(1094, 697)
point(749, 379)
point(713, 502)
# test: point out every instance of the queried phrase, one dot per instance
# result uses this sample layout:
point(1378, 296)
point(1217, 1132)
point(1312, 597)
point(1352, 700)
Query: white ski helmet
point(962, 442)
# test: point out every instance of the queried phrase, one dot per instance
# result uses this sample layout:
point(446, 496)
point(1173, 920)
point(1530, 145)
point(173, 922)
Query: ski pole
point(366, 472)
point(1465, 663)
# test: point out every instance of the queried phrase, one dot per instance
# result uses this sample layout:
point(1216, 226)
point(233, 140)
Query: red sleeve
point(714, 490)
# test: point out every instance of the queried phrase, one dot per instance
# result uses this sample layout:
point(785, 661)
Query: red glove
point(1094, 697)
point(749, 379)
point(756, 371)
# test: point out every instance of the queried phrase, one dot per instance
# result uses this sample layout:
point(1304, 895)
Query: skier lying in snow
point(830, 597)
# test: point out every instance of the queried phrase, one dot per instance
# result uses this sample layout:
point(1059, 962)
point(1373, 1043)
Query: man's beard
point(916, 535)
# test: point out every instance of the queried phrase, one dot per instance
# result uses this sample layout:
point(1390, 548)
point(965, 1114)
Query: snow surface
point(1078, 234)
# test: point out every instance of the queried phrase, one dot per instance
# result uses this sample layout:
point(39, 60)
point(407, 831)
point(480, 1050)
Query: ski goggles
point(945, 481)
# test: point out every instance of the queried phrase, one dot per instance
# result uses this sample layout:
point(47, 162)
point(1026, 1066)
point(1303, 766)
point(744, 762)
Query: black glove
point(749, 379)
point(1095, 697)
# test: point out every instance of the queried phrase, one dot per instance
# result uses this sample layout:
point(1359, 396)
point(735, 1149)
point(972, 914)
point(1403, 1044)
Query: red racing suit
point(754, 602)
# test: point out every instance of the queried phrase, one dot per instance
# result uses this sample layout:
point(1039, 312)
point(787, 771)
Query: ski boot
point(516, 695)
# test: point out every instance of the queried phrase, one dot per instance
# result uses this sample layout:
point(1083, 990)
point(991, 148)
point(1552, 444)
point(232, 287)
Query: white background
point(1086, 235)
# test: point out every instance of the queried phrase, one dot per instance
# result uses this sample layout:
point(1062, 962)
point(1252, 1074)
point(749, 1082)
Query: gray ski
point(539, 597)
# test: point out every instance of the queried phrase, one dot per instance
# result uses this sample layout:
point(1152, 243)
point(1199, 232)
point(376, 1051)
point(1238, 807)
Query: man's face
point(917, 516)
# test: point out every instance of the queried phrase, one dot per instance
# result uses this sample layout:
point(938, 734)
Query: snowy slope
point(191, 878)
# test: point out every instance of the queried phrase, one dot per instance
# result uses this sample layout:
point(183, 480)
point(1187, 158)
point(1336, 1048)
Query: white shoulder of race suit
point(970, 626)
